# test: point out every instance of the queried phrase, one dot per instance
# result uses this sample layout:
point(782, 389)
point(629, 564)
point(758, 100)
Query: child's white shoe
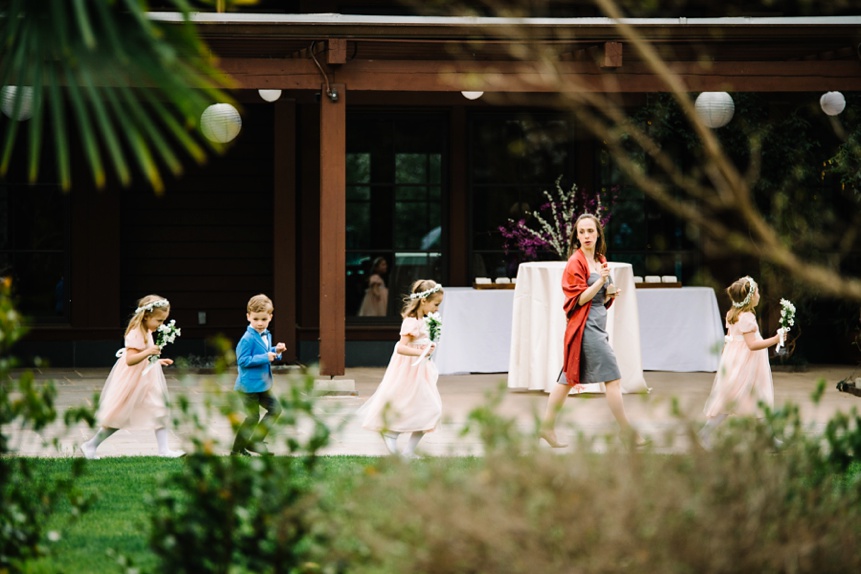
point(172, 453)
point(89, 451)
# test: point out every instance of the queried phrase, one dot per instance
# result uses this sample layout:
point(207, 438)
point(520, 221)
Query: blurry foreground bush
point(742, 507)
point(27, 501)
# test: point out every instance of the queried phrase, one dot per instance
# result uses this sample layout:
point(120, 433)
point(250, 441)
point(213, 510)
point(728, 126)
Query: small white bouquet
point(166, 333)
point(787, 320)
point(434, 325)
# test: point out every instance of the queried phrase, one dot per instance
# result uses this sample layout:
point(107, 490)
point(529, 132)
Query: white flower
point(166, 333)
point(787, 314)
point(434, 324)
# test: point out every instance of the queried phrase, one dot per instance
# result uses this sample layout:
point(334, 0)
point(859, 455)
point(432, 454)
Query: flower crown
point(435, 289)
point(150, 306)
point(749, 294)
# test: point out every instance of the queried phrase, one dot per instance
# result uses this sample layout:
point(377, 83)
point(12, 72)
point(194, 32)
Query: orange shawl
point(574, 282)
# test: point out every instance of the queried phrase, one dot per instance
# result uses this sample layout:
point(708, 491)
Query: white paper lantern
point(832, 103)
point(472, 95)
point(270, 95)
point(7, 102)
point(220, 122)
point(715, 109)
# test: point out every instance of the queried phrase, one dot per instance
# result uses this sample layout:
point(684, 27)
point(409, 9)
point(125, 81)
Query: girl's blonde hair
point(741, 294)
point(574, 243)
point(146, 307)
point(427, 287)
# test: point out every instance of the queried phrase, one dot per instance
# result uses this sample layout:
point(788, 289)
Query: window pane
point(358, 225)
point(33, 248)
point(411, 193)
point(358, 168)
point(411, 168)
point(524, 149)
point(400, 207)
point(358, 192)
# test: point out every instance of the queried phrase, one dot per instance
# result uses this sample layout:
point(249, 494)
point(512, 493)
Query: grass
point(118, 521)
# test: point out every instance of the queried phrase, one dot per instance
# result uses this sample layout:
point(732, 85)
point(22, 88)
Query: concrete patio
point(650, 413)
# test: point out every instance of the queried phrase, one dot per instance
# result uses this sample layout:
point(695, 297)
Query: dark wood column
point(284, 235)
point(333, 221)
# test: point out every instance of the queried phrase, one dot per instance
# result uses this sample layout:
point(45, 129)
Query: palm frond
point(126, 90)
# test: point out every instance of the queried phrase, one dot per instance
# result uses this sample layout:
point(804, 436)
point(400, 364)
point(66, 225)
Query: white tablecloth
point(680, 329)
point(538, 328)
point(476, 330)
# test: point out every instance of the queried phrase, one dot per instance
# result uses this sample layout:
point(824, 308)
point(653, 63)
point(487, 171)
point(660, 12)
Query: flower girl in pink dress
point(407, 400)
point(135, 392)
point(743, 379)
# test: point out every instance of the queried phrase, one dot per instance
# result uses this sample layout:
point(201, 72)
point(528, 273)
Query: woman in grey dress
point(588, 357)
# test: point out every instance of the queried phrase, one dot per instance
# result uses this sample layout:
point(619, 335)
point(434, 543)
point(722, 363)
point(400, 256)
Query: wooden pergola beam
point(439, 76)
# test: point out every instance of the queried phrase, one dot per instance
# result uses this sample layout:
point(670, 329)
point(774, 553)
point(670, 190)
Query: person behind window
point(377, 294)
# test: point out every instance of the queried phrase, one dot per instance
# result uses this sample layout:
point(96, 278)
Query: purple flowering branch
point(554, 221)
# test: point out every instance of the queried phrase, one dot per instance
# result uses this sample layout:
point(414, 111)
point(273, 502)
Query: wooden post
point(284, 211)
point(333, 209)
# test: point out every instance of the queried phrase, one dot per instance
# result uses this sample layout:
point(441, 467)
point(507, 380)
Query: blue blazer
point(255, 370)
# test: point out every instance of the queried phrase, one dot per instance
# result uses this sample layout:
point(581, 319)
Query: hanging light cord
point(333, 95)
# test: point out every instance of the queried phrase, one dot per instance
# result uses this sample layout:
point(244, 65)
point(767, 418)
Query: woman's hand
point(604, 271)
point(611, 294)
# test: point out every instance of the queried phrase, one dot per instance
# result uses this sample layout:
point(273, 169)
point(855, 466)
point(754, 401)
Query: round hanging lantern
point(472, 95)
point(220, 123)
point(269, 95)
point(832, 103)
point(8, 95)
point(715, 109)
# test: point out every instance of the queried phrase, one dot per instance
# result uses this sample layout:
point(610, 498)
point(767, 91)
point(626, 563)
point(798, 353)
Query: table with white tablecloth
point(680, 329)
point(538, 328)
point(476, 330)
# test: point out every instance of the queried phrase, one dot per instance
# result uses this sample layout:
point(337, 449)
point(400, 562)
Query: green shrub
point(740, 508)
point(238, 514)
point(27, 501)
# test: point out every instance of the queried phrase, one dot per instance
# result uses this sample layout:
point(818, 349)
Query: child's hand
point(165, 362)
point(432, 349)
point(280, 348)
point(271, 356)
point(153, 350)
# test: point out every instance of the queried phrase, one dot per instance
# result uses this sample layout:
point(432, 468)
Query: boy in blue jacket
point(254, 356)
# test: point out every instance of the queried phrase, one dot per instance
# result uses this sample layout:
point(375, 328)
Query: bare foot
point(550, 437)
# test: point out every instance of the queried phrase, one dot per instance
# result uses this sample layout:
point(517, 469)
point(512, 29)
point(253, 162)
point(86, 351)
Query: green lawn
point(118, 520)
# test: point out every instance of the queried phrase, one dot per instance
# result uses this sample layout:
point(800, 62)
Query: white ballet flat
point(89, 451)
point(172, 454)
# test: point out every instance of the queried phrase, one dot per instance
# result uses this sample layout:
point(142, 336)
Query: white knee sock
point(413, 443)
point(391, 440)
point(100, 437)
point(161, 439)
point(89, 447)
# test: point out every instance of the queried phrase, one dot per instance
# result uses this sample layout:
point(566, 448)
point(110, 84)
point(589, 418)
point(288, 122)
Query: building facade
point(372, 153)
